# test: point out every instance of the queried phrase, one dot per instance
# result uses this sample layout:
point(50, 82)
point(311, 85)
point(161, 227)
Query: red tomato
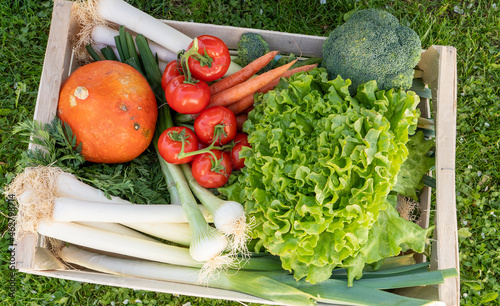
point(170, 144)
point(236, 161)
point(187, 98)
point(212, 172)
point(215, 124)
point(171, 71)
point(215, 61)
point(240, 140)
point(241, 137)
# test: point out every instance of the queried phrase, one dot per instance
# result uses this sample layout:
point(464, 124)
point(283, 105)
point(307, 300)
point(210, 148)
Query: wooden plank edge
point(446, 233)
point(47, 97)
point(56, 61)
point(307, 45)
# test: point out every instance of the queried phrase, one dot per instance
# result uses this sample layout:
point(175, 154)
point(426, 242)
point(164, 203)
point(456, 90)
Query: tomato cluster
point(212, 147)
point(185, 80)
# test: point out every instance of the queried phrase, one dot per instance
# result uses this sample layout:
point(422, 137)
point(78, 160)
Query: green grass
point(471, 26)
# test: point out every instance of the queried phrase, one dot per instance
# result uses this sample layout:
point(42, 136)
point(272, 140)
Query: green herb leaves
point(139, 181)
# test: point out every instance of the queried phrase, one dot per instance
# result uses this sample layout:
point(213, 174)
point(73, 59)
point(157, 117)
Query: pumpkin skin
point(111, 109)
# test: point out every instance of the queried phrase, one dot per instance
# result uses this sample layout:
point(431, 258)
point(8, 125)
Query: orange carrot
point(240, 119)
point(287, 74)
point(241, 104)
point(243, 74)
point(248, 87)
point(247, 101)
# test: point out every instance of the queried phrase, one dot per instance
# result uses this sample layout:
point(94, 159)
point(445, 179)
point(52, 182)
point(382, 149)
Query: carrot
point(243, 74)
point(240, 119)
point(247, 101)
point(246, 111)
point(248, 87)
point(287, 74)
point(238, 106)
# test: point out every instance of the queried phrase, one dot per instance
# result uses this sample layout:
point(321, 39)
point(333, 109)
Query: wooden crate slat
point(445, 104)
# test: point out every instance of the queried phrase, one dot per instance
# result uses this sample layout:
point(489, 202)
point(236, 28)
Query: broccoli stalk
point(372, 45)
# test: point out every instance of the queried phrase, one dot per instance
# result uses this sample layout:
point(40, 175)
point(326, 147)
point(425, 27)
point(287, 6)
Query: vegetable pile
point(273, 171)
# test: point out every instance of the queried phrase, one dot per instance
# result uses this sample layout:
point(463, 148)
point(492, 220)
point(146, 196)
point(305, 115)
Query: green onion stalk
point(208, 244)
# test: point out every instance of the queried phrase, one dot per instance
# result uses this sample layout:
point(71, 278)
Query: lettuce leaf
point(415, 166)
point(320, 169)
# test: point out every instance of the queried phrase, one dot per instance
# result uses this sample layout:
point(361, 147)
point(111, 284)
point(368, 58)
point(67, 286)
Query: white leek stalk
point(116, 243)
point(229, 216)
point(69, 209)
point(179, 233)
point(105, 35)
point(117, 229)
point(36, 190)
point(67, 185)
point(122, 13)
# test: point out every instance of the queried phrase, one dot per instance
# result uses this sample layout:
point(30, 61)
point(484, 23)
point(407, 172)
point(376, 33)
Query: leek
point(74, 210)
point(116, 243)
point(229, 216)
point(337, 291)
point(246, 282)
point(118, 229)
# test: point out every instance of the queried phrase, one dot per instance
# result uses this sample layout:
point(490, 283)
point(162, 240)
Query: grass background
point(473, 27)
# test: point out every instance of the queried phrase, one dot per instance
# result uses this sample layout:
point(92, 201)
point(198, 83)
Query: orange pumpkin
point(111, 109)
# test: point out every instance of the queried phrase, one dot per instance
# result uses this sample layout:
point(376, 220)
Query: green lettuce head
point(320, 169)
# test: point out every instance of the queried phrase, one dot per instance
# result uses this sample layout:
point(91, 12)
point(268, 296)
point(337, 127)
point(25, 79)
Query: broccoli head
point(251, 46)
point(372, 45)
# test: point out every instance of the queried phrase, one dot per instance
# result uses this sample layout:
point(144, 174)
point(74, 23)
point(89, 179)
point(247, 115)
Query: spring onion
point(229, 216)
point(207, 244)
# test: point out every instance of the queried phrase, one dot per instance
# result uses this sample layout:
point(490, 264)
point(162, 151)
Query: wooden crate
point(438, 64)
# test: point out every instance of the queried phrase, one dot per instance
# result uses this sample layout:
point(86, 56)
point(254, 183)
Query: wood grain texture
point(55, 68)
point(444, 94)
point(297, 44)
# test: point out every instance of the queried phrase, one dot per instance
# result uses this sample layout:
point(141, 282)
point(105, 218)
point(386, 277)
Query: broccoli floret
point(283, 60)
point(252, 46)
point(372, 45)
